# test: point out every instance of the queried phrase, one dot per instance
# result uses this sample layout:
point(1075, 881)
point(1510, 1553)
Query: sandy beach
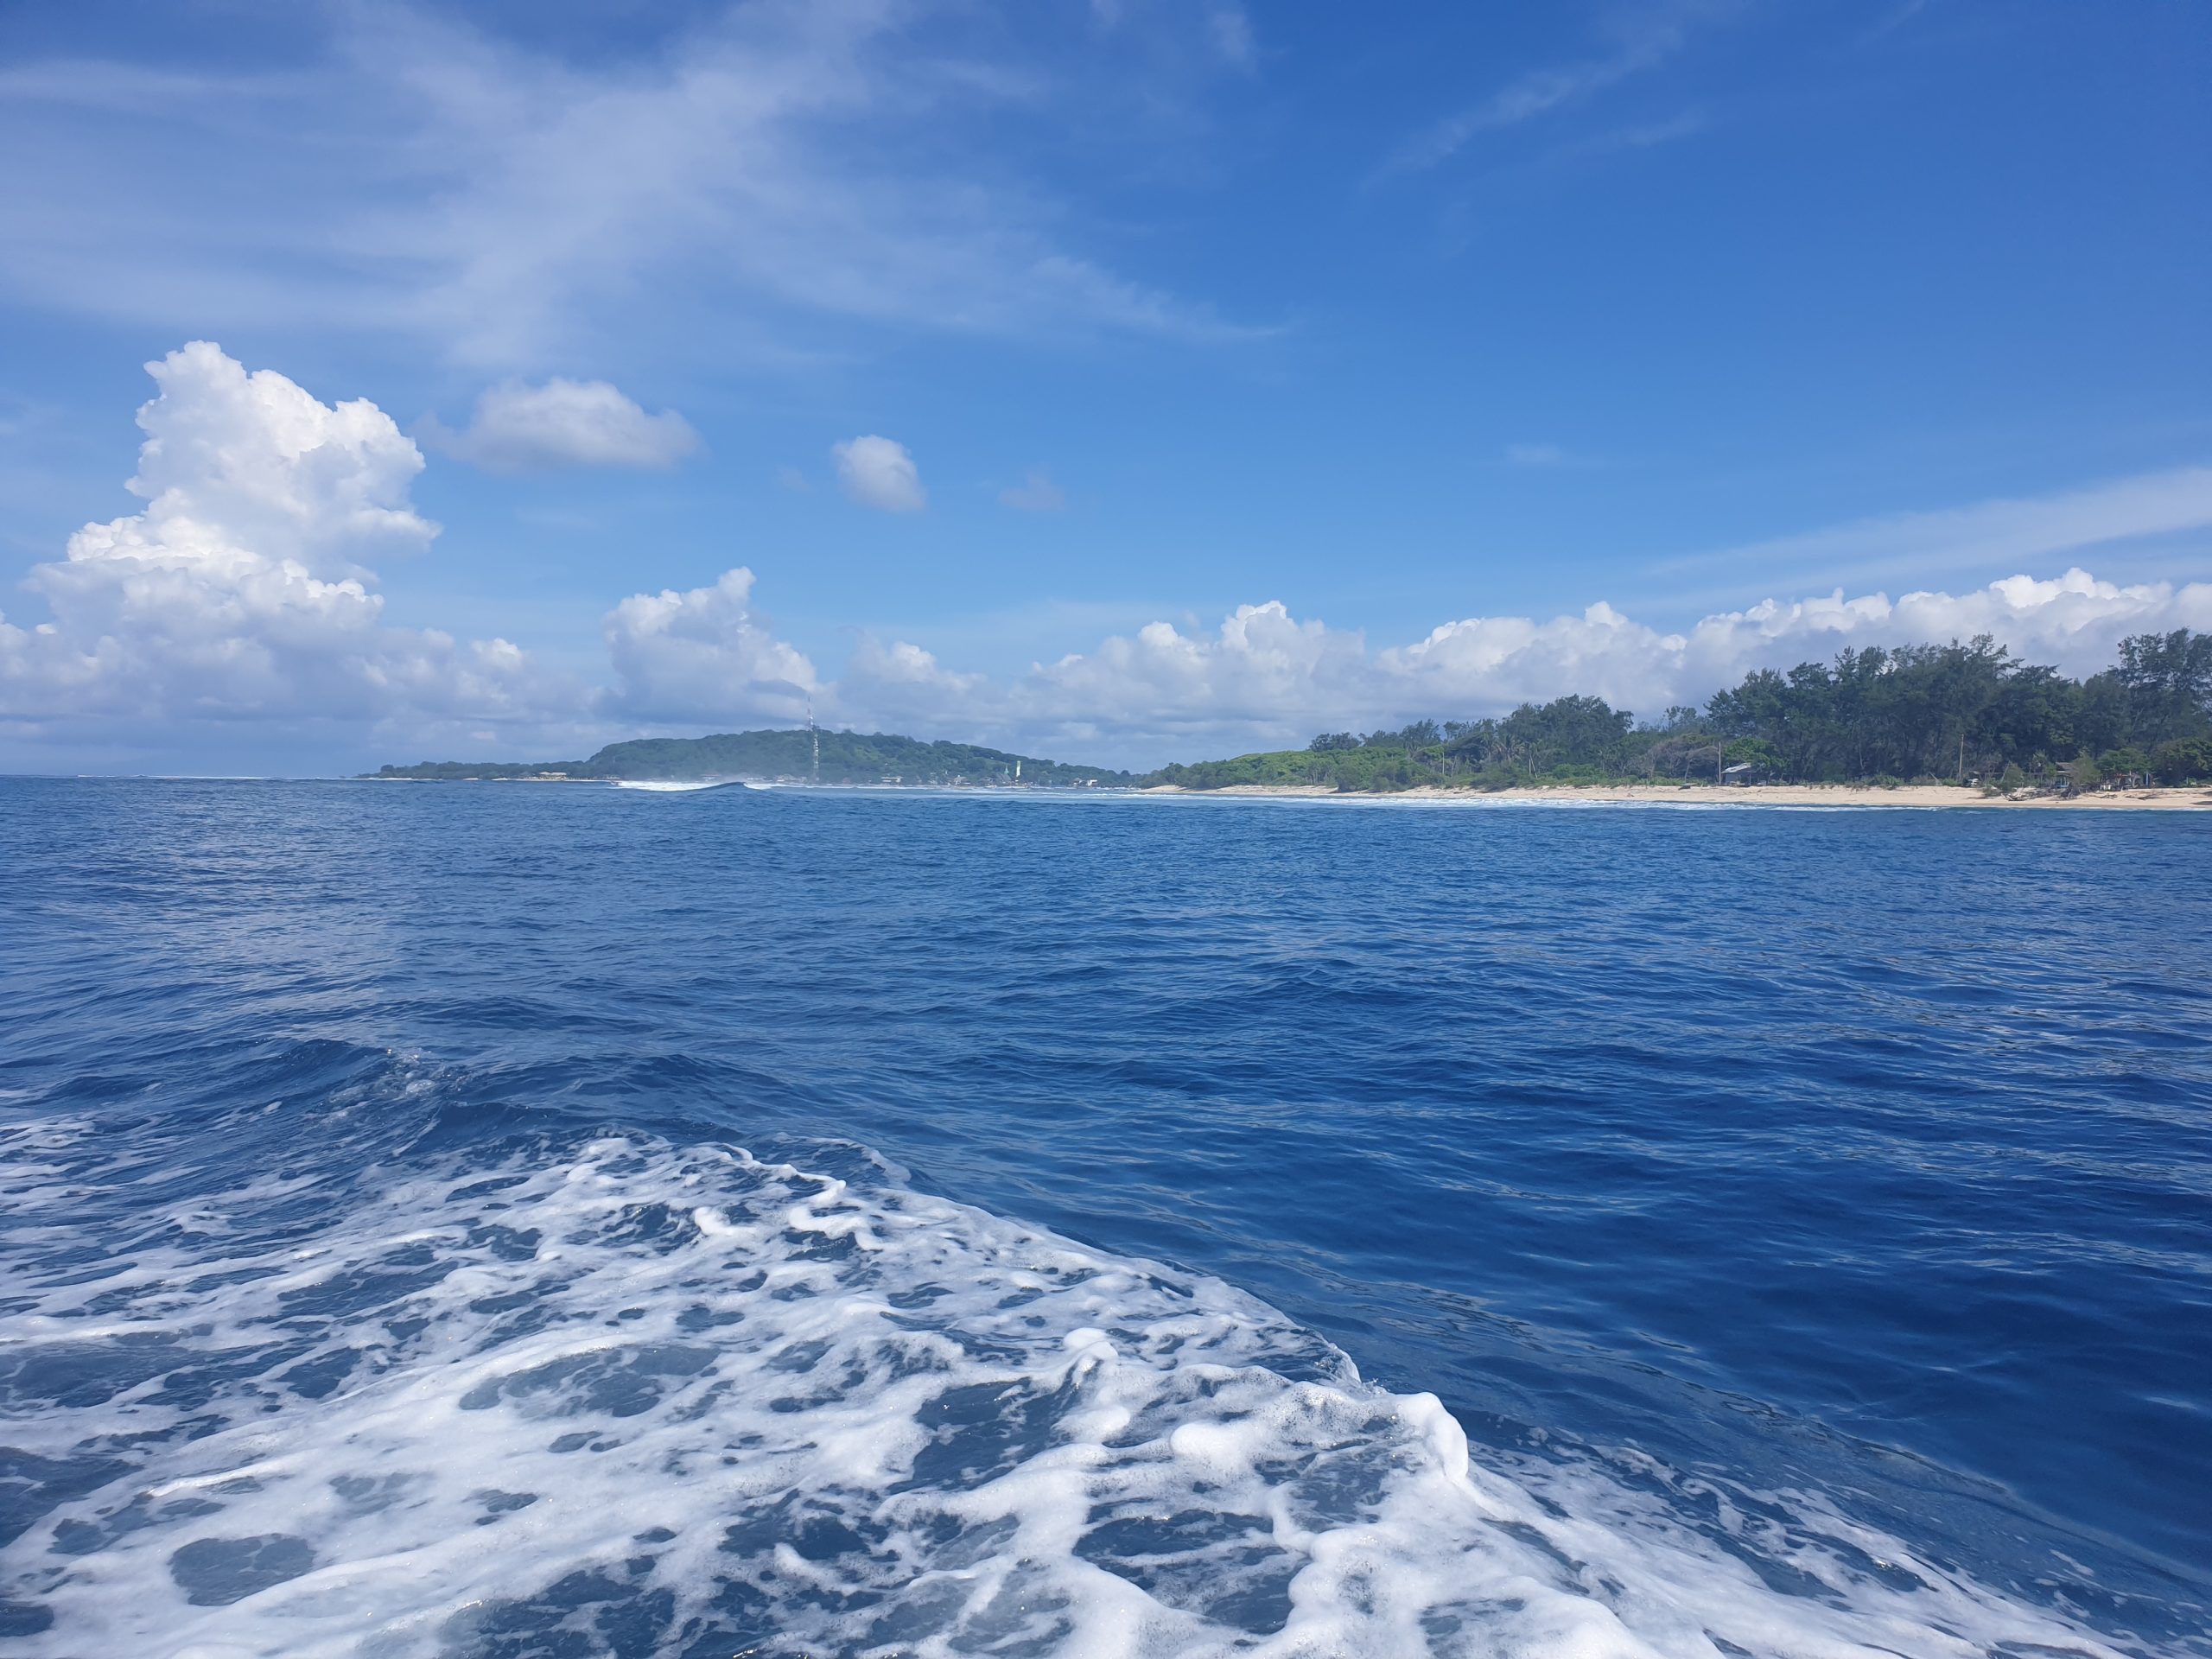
point(1919, 796)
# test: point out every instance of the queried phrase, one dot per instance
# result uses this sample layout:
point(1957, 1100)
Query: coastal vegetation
point(846, 758)
point(1966, 713)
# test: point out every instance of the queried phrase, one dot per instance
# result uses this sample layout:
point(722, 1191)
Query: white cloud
point(239, 592)
point(1534, 454)
point(878, 473)
point(517, 427)
point(234, 461)
point(1035, 494)
point(889, 679)
point(704, 655)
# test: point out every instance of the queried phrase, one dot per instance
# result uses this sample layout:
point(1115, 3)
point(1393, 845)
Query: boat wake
point(598, 1392)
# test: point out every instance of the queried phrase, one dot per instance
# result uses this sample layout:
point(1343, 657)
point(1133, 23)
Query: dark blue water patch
point(1867, 1154)
point(216, 1572)
point(30, 1486)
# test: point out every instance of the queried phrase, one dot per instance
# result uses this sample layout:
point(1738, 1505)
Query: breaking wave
point(668, 786)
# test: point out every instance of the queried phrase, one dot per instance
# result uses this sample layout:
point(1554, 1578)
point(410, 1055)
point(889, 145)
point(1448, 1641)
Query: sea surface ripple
point(455, 1219)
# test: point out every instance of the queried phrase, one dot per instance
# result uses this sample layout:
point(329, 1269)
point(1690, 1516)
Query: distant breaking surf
point(663, 786)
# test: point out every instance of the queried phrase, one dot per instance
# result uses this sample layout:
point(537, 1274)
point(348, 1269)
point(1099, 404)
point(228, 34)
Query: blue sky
point(1435, 316)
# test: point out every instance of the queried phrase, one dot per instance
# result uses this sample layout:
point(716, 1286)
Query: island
point(801, 755)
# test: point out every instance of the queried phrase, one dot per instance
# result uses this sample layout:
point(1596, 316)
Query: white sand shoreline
point(1923, 797)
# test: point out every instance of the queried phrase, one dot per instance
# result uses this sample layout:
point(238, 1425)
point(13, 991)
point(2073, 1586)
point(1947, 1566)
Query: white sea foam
point(646, 1398)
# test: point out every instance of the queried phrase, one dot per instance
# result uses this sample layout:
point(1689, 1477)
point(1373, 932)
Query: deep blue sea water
point(473, 1219)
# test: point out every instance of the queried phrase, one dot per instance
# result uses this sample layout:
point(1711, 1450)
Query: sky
point(1117, 380)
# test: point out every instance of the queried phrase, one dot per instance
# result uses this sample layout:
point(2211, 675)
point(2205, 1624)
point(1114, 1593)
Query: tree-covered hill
point(1936, 713)
point(846, 758)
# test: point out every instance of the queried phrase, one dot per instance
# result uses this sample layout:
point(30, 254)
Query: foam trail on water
point(613, 1395)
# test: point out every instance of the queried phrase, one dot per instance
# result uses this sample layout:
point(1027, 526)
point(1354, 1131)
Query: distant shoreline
point(1923, 795)
point(2194, 798)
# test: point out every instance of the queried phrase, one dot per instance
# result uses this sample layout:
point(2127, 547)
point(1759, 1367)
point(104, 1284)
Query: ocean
point(511, 1219)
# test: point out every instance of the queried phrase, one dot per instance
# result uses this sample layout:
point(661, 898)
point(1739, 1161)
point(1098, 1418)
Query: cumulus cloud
point(1035, 494)
point(240, 591)
point(517, 427)
point(878, 472)
point(704, 654)
point(236, 462)
point(886, 680)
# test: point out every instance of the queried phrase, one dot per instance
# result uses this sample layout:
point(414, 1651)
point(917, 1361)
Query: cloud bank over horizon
point(241, 598)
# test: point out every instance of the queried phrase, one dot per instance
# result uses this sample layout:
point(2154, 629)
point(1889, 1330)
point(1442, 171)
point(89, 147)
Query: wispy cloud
point(17, 414)
point(1640, 40)
point(1037, 492)
point(1229, 28)
point(1647, 136)
point(1903, 13)
point(2015, 530)
point(782, 165)
point(1536, 456)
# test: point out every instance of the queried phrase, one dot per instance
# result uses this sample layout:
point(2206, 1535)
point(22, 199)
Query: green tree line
point(1963, 712)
